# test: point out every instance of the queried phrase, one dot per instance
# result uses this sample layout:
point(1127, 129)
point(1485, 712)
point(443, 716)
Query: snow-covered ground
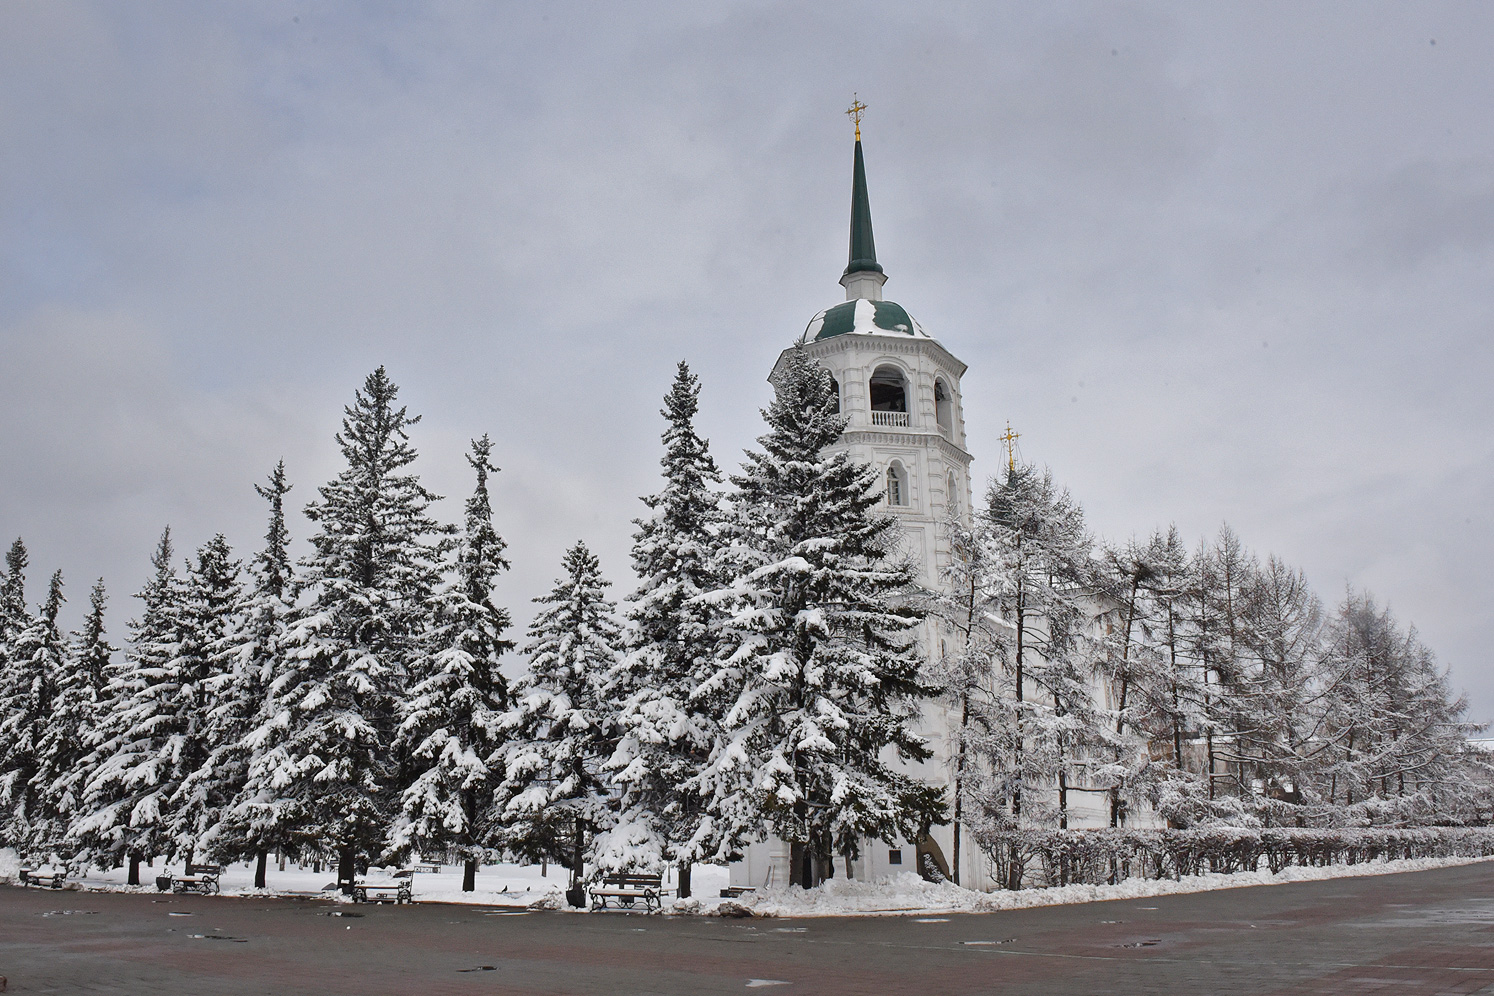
point(497, 885)
point(908, 894)
point(505, 885)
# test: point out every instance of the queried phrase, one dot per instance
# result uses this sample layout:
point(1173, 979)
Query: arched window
point(943, 406)
point(889, 396)
point(897, 484)
point(954, 491)
point(835, 386)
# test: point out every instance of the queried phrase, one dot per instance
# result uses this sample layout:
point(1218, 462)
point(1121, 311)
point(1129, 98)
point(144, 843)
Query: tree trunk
point(187, 863)
point(959, 782)
point(261, 860)
point(134, 876)
point(1014, 854)
point(1021, 725)
point(959, 788)
point(684, 885)
point(1209, 736)
point(469, 875)
point(796, 865)
point(576, 894)
point(1120, 721)
point(578, 851)
point(345, 870)
point(1063, 800)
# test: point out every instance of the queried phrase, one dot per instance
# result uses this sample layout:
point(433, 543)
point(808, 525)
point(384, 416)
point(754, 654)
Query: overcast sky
point(1215, 262)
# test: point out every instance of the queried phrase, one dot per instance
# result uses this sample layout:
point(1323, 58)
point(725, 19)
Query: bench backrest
point(204, 870)
point(635, 881)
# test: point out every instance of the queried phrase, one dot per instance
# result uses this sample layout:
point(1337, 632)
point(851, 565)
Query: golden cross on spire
point(1010, 439)
point(854, 113)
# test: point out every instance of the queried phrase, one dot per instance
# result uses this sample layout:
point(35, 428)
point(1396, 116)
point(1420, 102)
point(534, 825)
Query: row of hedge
point(1109, 855)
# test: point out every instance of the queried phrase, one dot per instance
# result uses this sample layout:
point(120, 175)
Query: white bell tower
point(900, 390)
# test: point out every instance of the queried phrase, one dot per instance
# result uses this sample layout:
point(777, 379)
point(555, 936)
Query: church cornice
point(897, 345)
point(881, 437)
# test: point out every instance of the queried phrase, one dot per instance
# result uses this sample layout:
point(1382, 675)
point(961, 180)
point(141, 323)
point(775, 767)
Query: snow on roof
point(864, 317)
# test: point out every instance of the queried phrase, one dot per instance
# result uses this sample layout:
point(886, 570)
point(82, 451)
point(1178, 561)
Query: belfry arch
point(887, 390)
point(943, 406)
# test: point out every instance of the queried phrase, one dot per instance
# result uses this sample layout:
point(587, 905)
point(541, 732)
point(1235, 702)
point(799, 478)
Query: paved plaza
point(1417, 933)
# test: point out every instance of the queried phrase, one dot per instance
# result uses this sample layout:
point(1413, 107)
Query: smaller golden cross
point(854, 113)
point(1010, 439)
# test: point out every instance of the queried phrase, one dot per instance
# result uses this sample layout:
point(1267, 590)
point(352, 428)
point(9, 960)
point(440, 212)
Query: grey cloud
point(1258, 235)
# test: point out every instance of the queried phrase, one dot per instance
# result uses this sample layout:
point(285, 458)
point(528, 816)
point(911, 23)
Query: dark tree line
point(764, 678)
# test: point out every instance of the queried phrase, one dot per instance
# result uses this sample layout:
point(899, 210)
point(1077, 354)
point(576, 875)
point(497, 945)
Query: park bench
point(42, 878)
point(395, 889)
point(628, 890)
point(198, 878)
point(736, 891)
point(429, 867)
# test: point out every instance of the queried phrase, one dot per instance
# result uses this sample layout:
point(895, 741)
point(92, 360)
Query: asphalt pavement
point(1417, 933)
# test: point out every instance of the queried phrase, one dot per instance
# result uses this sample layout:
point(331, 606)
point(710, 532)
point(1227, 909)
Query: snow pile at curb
point(907, 893)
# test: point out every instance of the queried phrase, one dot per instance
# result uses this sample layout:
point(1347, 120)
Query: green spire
point(863, 247)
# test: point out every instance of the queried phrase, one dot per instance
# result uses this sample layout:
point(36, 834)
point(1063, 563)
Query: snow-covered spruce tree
point(204, 665)
point(817, 659)
point(156, 737)
point(14, 618)
point(666, 732)
point(555, 795)
point(1043, 577)
point(966, 675)
point(75, 718)
point(325, 754)
point(38, 660)
point(451, 723)
point(13, 613)
point(131, 773)
point(248, 826)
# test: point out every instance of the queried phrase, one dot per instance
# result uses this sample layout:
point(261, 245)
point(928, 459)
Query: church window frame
point(897, 486)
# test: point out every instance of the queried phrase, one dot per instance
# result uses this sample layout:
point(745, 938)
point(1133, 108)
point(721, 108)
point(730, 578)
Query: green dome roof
point(865, 318)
